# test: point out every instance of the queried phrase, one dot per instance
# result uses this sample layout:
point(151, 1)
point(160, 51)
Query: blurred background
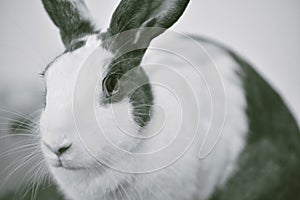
point(265, 32)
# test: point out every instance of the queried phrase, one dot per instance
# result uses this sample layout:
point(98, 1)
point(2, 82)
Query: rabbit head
point(97, 82)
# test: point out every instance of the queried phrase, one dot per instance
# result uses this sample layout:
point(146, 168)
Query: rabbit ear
point(72, 17)
point(134, 14)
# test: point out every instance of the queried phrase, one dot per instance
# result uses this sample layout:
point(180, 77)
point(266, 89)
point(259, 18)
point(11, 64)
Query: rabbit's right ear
point(72, 17)
point(149, 18)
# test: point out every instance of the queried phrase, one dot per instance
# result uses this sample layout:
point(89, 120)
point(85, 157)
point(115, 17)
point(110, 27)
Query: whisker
point(29, 125)
point(36, 184)
point(119, 187)
point(26, 186)
point(12, 164)
point(23, 127)
point(14, 130)
point(45, 178)
point(16, 119)
point(146, 187)
point(8, 153)
point(19, 134)
point(22, 121)
point(140, 196)
point(27, 189)
point(25, 143)
point(124, 190)
point(27, 159)
point(26, 116)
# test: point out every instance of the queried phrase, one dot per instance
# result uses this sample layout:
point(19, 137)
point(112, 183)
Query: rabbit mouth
point(61, 164)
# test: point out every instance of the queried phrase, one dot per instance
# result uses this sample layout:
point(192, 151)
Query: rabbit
point(136, 111)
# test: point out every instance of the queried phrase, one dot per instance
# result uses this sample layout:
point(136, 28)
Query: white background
point(265, 32)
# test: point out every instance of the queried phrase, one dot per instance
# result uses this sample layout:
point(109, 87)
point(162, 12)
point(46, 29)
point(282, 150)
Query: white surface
point(265, 32)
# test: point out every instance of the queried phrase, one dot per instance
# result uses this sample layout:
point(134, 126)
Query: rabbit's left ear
point(72, 17)
point(140, 14)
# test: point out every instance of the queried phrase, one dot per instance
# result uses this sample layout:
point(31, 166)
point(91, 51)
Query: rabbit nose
point(58, 150)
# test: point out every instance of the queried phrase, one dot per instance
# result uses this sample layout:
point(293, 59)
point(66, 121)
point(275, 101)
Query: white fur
point(82, 174)
point(206, 174)
point(85, 178)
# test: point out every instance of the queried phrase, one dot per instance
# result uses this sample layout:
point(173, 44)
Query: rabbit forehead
point(62, 74)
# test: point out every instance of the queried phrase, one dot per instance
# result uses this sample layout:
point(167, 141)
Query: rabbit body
point(194, 176)
point(184, 132)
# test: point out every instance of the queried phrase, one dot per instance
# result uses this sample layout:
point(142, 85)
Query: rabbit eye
point(111, 86)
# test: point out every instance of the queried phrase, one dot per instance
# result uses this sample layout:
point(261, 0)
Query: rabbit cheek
point(116, 127)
